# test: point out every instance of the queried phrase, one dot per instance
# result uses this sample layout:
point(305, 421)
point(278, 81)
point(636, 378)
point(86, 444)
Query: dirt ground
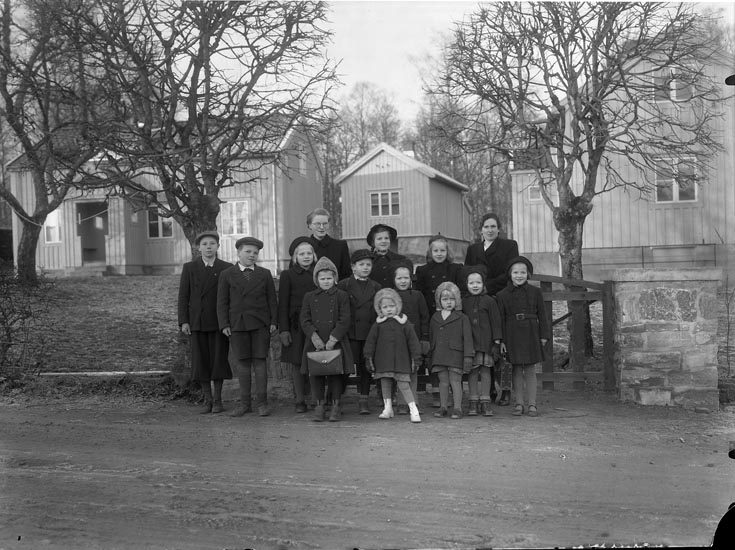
point(90, 473)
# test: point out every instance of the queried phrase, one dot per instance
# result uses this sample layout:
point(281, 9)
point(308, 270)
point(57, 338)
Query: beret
point(361, 254)
point(203, 234)
point(296, 242)
point(249, 240)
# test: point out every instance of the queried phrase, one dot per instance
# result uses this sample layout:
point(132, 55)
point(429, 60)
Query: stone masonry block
point(709, 306)
point(699, 356)
point(632, 340)
point(633, 375)
point(667, 304)
point(705, 337)
point(655, 359)
point(669, 339)
point(663, 326)
point(704, 377)
point(628, 393)
point(658, 396)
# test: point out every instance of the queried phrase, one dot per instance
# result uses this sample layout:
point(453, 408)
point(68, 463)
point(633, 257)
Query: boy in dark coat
point(246, 311)
point(198, 320)
point(526, 330)
point(361, 290)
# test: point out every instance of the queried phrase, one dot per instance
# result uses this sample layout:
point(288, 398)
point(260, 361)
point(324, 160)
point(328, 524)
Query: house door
point(92, 228)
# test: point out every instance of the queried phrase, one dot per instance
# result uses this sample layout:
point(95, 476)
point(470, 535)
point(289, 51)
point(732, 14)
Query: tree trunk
point(27, 252)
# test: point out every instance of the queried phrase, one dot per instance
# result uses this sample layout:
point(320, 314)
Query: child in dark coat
point(325, 320)
point(247, 311)
point(486, 335)
point(198, 320)
point(526, 330)
point(381, 238)
point(295, 282)
point(450, 336)
point(414, 307)
point(392, 351)
point(361, 290)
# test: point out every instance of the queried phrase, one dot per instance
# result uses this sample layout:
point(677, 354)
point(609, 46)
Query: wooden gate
point(577, 293)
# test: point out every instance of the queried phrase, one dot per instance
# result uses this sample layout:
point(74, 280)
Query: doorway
point(92, 228)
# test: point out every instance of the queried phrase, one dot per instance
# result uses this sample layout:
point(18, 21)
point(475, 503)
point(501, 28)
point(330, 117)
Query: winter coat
point(246, 304)
point(197, 302)
point(362, 313)
point(414, 307)
point(383, 268)
point(327, 312)
point(431, 275)
point(392, 343)
point(336, 250)
point(522, 335)
point(450, 340)
point(295, 282)
point(484, 316)
point(495, 259)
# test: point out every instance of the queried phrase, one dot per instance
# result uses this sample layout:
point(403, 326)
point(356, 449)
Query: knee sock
point(444, 389)
point(405, 389)
point(455, 379)
point(218, 390)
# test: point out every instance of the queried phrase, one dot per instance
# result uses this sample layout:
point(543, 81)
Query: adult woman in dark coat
point(493, 252)
point(325, 246)
point(381, 238)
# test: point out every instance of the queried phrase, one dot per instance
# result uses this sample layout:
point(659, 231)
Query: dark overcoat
point(431, 275)
point(383, 267)
point(198, 294)
point(327, 312)
point(484, 316)
point(522, 336)
point(362, 311)
point(392, 343)
point(294, 283)
point(414, 307)
point(246, 304)
point(450, 339)
point(336, 250)
point(495, 259)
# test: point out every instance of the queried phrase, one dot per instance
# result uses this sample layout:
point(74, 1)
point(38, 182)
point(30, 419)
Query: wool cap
point(390, 294)
point(249, 240)
point(468, 270)
point(520, 260)
point(296, 242)
point(396, 265)
point(203, 234)
point(361, 254)
point(324, 264)
point(377, 229)
point(449, 287)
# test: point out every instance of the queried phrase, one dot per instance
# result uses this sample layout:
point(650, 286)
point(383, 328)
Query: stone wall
point(666, 336)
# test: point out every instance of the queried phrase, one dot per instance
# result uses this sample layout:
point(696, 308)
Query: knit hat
point(296, 242)
point(324, 264)
point(378, 229)
point(361, 254)
point(468, 270)
point(203, 234)
point(390, 294)
point(450, 287)
point(520, 260)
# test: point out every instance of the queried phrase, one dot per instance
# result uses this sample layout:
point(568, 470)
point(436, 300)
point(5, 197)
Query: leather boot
point(335, 412)
point(207, 392)
point(319, 411)
point(387, 409)
point(414, 411)
point(364, 406)
point(486, 410)
point(504, 398)
point(473, 408)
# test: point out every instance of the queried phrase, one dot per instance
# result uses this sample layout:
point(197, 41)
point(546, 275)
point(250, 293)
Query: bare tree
point(197, 87)
point(46, 109)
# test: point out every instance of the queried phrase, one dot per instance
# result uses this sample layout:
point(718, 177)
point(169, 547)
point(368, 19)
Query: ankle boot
point(243, 408)
point(387, 409)
point(217, 406)
point(319, 411)
point(364, 406)
point(504, 398)
point(207, 392)
point(335, 412)
point(485, 407)
point(414, 411)
point(473, 408)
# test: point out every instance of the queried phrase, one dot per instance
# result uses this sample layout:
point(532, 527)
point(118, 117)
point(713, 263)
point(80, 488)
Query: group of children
point(386, 329)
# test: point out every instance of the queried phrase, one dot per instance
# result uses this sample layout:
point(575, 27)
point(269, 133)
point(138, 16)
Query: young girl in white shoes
point(392, 351)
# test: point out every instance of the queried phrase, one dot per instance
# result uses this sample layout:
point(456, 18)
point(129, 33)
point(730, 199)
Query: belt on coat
point(524, 316)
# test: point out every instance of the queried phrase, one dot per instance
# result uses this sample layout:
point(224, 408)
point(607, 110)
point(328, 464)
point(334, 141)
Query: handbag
point(325, 363)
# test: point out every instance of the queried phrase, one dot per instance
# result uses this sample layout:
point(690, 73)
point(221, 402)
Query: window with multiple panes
point(235, 218)
point(52, 228)
point(385, 203)
point(671, 87)
point(676, 181)
point(158, 226)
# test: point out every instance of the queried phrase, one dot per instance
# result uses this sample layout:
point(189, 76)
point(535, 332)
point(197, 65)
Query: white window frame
point(534, 193)
point(385, 210)
point(662, 180)
point(52, 228)
point(678, 90)
point(234, 218)
point(164, 225)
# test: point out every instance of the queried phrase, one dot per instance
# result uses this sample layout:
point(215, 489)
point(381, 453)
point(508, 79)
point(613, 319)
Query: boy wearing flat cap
point(247, 312)
point(361, 290)
point(197, 312)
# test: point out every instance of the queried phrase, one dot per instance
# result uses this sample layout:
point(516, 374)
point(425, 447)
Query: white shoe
point(414, 411)
point(387, 409)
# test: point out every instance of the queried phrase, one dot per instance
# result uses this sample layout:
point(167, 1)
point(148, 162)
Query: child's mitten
point(425, 347)
point(331, 343)
point(317, 341)
point(369, 364)
point(285, 339)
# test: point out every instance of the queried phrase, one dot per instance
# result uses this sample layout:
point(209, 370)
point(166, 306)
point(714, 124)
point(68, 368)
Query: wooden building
point(677, 224)
point(96, 231)
point(387, 186)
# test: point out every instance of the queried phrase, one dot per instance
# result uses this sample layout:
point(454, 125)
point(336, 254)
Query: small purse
point(325, 363)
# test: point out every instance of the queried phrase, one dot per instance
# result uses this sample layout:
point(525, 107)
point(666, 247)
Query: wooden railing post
point(608, 312)
point(548, 364)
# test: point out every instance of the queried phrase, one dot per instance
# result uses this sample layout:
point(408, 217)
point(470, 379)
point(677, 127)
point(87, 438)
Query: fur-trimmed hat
point(519, 260)
point(450, 287)
point(296, 242)
point(387, 293)
point(249, 240)
point(203, 234)
point(324, 264)
point(379, 228)
point(361, 254)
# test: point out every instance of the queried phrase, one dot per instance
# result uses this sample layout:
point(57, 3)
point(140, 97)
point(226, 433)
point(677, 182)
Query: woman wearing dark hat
point(380, 238)
point(198, 320)
point(493, 252)
point(295, 282)
point(325, 246)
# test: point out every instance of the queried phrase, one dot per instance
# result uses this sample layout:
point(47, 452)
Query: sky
point(383, 42)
